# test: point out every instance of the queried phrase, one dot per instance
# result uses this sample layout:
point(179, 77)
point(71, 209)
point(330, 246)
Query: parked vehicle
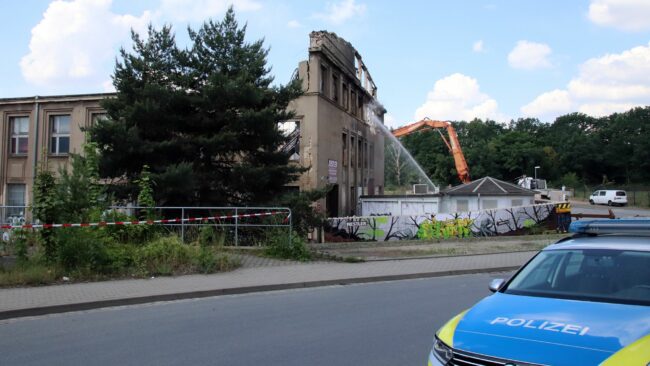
point(608, 197)
point(544, 192)
point(584, 300)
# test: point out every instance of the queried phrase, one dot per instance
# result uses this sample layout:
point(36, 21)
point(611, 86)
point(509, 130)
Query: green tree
point(624, 140)
point(475, 138)
point(203, 119)
point(46, 206)
point(398, 170)
point(573, 137)
point(432, 154)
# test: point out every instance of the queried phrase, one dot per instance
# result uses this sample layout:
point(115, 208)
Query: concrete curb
point(56, 309)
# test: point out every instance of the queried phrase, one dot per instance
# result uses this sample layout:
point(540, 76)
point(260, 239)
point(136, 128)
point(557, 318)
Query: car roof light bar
point(616, 226)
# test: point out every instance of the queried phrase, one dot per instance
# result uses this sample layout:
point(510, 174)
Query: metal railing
point(236, 225)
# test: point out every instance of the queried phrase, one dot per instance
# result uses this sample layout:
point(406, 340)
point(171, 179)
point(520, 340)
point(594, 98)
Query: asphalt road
point(586, 208)
point(389, 323)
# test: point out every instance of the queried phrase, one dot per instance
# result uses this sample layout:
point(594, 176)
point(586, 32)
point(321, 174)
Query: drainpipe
point(36, 119)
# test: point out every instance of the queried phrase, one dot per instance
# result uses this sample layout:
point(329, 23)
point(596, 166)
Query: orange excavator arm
point(452, 144)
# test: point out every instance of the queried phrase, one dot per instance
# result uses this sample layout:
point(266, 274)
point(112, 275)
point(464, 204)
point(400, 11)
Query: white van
point(608, 197)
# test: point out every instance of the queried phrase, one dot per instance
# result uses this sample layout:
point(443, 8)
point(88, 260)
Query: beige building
point(335, 122)
point(333, 131)
point(38, 128)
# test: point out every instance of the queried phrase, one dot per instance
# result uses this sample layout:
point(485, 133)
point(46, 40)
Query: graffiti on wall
point(439, 226)
point(453, 228)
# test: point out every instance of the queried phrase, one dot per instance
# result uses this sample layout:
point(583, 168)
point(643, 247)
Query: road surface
point(390, 323)
point(586, 208)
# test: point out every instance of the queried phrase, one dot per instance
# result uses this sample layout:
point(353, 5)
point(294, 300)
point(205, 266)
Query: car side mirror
point(496, 284)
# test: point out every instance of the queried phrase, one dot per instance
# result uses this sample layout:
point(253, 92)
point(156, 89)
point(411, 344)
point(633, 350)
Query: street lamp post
point(537, 167)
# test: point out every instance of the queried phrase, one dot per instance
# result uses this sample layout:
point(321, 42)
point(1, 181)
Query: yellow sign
point(562, 207)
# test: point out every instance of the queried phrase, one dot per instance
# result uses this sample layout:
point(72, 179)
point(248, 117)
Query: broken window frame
point(335, 87)
point(324, 79)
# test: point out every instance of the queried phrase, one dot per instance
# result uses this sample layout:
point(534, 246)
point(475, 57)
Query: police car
point(584, 300)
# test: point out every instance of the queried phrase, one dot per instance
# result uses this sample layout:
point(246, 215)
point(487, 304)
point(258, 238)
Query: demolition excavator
point(452, 142)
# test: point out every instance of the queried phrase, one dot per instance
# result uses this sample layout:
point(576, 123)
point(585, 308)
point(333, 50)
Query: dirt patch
point(405, 249)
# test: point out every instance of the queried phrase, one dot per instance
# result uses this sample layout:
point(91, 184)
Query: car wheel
point(591, 202)
point(609, 203)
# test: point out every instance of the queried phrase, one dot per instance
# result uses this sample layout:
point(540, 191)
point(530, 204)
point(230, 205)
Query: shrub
point(164, 256)
point(132, 234)
point(206, 260)
point(83, 249)
point(209, 236)
point(21, 241)
point(121, 258)
point(278, 246)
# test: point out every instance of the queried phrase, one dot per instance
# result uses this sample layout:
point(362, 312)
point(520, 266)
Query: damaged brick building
point(334, 130)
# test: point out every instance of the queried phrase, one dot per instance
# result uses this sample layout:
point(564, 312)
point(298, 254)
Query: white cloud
point(74, 39)
point(478, 46)
point(529, 55)
point(338, 13)
point(200, 10)
point(628, 15)
point(604, 85)
point(458, 97)
point(549, 105)
point(294, 24)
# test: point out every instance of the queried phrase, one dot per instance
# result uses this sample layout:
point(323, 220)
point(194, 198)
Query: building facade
point(40, 130)
point(337, 121)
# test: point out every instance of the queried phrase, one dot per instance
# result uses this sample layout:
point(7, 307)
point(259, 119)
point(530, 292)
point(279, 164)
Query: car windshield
point(616, 276)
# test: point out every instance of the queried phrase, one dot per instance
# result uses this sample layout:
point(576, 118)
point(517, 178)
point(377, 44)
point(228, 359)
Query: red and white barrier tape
point(145, 222)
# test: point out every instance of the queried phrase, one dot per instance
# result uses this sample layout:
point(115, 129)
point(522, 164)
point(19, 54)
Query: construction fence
point(237, 226)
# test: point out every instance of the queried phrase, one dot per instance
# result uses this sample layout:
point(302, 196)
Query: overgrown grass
point(90, 255)
point(278, 245)
point(29, 274)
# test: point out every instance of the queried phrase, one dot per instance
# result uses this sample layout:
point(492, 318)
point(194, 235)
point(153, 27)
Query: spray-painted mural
point(440, 226)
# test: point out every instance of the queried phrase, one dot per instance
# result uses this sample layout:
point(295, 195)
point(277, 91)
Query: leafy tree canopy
point(574, 149)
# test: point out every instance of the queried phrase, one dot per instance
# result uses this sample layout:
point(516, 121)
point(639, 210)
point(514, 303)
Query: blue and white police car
point(584, 300)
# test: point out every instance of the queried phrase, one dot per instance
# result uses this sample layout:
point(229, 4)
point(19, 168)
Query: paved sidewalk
point(17, 302)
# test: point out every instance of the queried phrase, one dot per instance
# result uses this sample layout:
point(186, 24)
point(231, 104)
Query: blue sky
point(447, 60)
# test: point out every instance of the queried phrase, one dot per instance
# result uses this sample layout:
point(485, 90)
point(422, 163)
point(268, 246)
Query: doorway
point(332, 201)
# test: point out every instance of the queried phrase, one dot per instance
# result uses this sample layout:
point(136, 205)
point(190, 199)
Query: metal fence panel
point(236, 225)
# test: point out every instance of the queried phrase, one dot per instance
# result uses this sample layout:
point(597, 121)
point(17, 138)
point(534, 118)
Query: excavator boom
point(452, 144)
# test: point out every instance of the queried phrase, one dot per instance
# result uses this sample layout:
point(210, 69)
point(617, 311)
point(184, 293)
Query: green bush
point(207, 260)
point(23, 241)
point(121, 258)
point(209, 236)
point(83, 249)
point(164, 256)
point(132, 234)
point(278, 246)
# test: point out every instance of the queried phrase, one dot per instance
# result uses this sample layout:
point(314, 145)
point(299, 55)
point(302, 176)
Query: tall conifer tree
point(203, 119)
